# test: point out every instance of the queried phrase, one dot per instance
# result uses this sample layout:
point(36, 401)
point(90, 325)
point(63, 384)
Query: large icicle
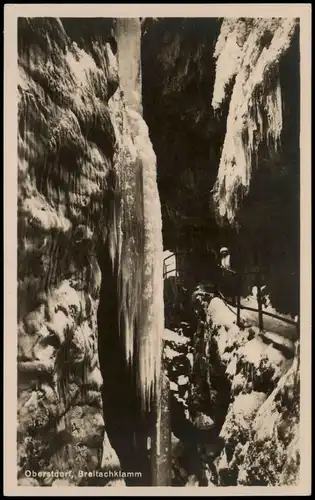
point(254, 47)
point(151, 321)
point(135, 235)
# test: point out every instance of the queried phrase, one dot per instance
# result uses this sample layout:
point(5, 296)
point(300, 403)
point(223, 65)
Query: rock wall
point(178, 72)
point(196, 139)
point(78, 146)
point(236, 402)
point(261, 426)
point(257, 187)
point(90, 243)
point(247, 55)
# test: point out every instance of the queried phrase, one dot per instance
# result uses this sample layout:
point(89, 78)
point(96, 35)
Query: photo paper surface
point(157, 249)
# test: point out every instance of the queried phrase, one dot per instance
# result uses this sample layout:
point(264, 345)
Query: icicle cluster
point(248, 53)
point(137, 250)
point(136, 233)
point(151, 324)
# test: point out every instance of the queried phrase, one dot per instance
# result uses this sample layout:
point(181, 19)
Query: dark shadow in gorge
point(178, 72)
point(209, 388)
point(124, 423)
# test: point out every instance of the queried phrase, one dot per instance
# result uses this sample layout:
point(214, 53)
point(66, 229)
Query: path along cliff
point(90, 245)
point(235, 392)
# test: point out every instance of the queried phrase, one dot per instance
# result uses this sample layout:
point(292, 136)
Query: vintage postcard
point(157, 175)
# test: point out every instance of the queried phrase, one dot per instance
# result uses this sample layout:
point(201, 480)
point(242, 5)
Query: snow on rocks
point(261, 422)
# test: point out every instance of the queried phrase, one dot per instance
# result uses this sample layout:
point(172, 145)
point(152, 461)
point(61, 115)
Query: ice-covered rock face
point(84, 157)
point(214, 122)
point(255, 109)
point(238, 416)
point(66, 144)
point(177, 353)
point(260, 425)
point(87, 187)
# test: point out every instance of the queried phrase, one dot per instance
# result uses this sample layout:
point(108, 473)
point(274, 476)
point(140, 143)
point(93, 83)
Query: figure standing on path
point(225, 258)
point(229, 283)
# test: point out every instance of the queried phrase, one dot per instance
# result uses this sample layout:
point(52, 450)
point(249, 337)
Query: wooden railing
point(161, 449)
point(220, 277)
point(166, 272)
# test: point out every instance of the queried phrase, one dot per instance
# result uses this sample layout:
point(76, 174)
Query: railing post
point(259, 300)
point(238, 301)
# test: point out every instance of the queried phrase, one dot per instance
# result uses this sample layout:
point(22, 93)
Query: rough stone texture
point(260, 426)
point(236, 421)
point(194, 438)
point(76, 140)
point(66, 145)
point(78, 146)
point(248, 51)
point(178, 73)
point(272, 456)
point(184, 67)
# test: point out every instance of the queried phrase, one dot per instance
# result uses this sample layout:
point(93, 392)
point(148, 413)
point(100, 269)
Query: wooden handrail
point(260, 311)
point(228, 271)
point(175, 254)
point(231, 271)
point(239, 305)
point(267, 313)
point(168, 272)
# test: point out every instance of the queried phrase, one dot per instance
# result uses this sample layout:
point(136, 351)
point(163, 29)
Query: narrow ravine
point(136, 137)
point(220, 376)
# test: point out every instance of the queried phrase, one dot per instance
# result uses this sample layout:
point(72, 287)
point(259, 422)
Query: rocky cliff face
point(226, 135)
point(88, 206)
point(178, 72)
point(235, 401)
point(240, 117)
point(261, 425)
point(257, 188)
point(90, 244)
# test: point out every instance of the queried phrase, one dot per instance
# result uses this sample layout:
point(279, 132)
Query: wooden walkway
point(161, 453)
point(223, 275)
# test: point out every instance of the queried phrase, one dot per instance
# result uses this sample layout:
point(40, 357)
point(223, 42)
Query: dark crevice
point(126, 426)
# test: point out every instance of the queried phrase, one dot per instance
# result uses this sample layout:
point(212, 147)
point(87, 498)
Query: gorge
point(137, 136)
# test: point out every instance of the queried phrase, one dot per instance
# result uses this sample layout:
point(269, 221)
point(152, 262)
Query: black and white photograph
point(157, 323)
